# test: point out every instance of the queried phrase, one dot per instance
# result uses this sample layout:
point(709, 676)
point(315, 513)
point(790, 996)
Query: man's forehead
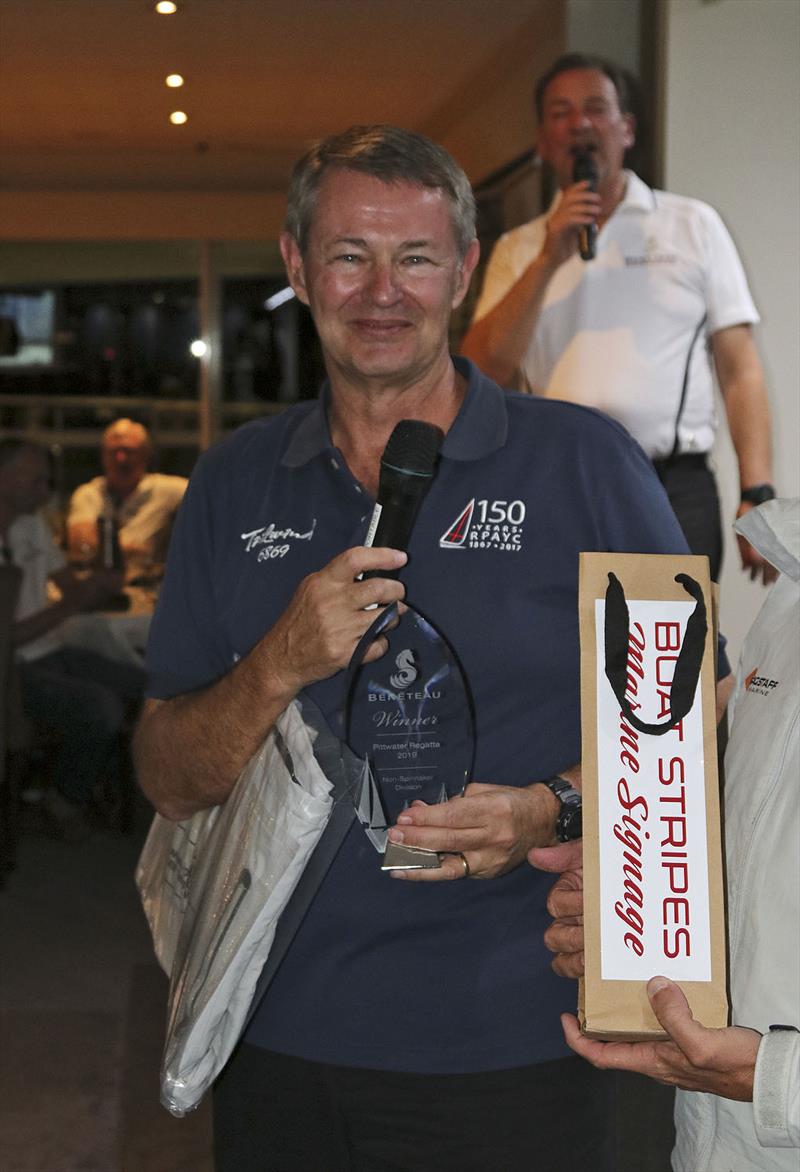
point(575, 84)
point(348, 201)
point(127, 437)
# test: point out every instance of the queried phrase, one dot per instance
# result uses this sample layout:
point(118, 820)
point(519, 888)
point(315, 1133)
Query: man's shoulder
point(90, 489)
point(524, 237)
point(260, 440)
point(164, 484)
point(688, 207)
point(563, 419)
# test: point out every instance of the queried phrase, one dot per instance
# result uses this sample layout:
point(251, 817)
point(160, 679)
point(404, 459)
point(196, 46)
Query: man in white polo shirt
point(142, 504)
point(632, 331)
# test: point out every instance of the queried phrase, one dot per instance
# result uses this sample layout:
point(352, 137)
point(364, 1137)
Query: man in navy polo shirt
point(412, 1024)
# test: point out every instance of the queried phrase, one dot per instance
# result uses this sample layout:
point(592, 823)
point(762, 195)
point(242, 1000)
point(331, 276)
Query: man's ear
point(295, 268)
point(466, 269)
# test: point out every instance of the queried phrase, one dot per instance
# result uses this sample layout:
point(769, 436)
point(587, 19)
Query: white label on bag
point(654, 912)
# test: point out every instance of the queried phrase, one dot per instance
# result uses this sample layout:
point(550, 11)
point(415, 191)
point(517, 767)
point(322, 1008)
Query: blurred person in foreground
point(641, 329)
point(413, 1022)
point(141, 504)
point(739, 1102)
point(80, 696)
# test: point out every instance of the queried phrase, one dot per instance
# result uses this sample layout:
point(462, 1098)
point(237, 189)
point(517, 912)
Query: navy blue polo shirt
point(450, 977)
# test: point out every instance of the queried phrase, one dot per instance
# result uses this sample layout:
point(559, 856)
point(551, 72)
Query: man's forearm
point(190, 750)
point(498, 342)
point(747, 409)
point(741, 380)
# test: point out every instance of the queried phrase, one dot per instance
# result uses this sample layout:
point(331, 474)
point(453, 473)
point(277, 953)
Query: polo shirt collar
point(480, 428)
point(638, 196)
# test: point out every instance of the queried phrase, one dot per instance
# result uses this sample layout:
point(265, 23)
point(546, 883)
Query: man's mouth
point(380, 327)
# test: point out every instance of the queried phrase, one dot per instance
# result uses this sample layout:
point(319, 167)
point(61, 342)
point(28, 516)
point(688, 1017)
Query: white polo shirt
point(144, 518)
point(619, 332)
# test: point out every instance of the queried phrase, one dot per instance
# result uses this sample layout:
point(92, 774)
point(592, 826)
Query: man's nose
point(383, 284)
point(579, 120)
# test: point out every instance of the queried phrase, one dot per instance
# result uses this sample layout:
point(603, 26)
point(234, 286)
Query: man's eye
point(415, 260)
point(347, 258)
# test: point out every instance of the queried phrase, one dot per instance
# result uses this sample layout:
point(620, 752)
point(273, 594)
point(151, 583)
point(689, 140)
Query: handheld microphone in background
point(407, 467)
point(585, 168)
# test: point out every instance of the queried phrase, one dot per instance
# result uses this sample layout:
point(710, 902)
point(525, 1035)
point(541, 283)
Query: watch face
point(570, 824)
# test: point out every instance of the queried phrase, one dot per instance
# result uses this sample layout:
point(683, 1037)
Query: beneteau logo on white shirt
point(269, 541)
point(653, 255)
point(485, 524)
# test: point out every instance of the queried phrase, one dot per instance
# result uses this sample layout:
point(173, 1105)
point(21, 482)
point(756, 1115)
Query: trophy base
point(409, 858)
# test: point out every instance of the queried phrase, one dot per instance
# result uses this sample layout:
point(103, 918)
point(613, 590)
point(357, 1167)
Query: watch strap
point(569, 823)
point(756, 494)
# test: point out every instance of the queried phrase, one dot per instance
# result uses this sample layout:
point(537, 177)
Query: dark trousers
point(82, 697)
point(275, 1113)
point(692, 490)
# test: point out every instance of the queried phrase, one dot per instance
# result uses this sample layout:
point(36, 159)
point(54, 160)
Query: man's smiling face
point(381, 273)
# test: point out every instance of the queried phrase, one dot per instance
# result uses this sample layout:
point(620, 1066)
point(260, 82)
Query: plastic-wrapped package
point(214, 886)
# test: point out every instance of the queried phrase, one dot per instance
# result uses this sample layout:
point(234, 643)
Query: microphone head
point(413, 448)
point(585, 167)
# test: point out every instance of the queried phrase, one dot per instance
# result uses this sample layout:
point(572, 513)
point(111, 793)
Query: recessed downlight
point(166, 7)
point(178, 117)
point(173, 80)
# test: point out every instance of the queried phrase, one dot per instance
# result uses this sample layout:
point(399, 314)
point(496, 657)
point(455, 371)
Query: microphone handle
point(587, 241)
point(398, 512)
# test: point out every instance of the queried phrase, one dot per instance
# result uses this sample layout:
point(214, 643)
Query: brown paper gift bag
point(653, 888)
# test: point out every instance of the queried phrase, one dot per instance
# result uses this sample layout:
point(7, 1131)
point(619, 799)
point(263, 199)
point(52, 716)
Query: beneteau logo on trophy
point(407, 672)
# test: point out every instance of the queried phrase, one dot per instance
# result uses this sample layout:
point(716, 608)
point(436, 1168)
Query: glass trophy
point(409, 718)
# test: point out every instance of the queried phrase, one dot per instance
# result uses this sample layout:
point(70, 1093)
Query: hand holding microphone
point(573, 221)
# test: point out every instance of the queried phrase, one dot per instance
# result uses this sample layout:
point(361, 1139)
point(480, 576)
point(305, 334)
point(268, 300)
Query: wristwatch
point(758, 493)
point(569, 824)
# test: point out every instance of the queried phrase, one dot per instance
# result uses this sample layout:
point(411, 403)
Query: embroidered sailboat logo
point(456, 535)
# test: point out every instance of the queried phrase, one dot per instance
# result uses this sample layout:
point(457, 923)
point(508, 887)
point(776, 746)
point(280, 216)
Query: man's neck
point(361, 419)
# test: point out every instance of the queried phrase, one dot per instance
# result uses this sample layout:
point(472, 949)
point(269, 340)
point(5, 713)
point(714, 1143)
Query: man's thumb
point(671, 1007)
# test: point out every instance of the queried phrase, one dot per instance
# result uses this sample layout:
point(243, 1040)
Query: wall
point(731, 130)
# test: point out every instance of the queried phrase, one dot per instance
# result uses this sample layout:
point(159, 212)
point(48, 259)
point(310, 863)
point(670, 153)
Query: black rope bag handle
point(687, 667)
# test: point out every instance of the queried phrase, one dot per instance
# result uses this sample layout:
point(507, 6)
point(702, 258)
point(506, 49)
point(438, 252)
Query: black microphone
point(585, 167)
point(407, 467)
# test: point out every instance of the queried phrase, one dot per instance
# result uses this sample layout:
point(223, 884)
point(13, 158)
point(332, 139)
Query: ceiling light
point(199, 348)
point(174, 81)
point(166, 7)
point(177, 117)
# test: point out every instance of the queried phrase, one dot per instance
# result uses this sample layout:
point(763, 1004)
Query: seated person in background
point(143, 504)
point(80, 695)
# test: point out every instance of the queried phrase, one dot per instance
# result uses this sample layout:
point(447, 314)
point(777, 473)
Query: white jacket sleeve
point(776, 1090)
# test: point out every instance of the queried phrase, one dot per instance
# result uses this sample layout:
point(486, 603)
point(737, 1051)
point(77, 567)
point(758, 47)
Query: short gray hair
point(391, 155)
